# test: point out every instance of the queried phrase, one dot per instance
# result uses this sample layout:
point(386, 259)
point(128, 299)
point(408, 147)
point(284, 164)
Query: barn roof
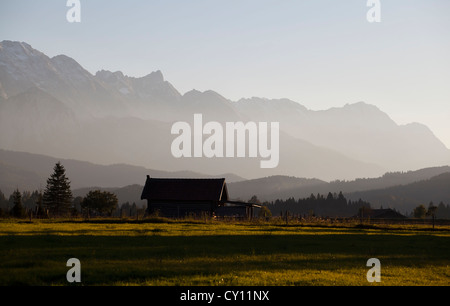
point(169, 189)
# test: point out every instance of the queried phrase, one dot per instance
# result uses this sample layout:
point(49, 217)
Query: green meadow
point(216, 253)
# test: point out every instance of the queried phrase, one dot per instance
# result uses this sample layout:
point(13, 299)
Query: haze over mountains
point(53, 106)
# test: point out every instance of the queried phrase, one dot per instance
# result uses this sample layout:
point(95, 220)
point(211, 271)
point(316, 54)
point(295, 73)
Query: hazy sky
point(321, 53)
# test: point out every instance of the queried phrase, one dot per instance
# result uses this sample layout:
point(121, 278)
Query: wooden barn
point(178, 198)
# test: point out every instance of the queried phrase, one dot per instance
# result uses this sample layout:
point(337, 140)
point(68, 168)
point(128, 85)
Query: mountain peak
point(360, 106)
point(18, 51)
point(277, 103)
point(155, 77)
point(193, 92)
point(361, 109)
point(15, 45)
point(205, 95)
point(67, 64)
point(109, 75)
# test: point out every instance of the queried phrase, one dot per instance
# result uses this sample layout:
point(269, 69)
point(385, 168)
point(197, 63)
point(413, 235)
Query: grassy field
point(215, 253)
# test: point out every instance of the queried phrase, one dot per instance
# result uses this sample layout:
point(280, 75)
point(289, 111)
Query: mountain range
point(53, 106)
point(27, 171)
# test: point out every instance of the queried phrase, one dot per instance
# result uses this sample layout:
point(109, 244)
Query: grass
point(211, 253)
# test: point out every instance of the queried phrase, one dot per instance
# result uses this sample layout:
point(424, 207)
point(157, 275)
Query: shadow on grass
point(41, 259)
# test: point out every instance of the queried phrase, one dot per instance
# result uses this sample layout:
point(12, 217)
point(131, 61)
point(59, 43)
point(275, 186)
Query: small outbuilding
point(178, 198)
point(387, 213)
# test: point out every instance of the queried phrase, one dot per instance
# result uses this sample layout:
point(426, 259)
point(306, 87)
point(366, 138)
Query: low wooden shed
point(383, 214)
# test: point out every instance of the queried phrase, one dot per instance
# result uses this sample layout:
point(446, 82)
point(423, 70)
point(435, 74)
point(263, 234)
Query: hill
point(29, 172)
point(405, 198)
point(282, 187)
point(130, 194)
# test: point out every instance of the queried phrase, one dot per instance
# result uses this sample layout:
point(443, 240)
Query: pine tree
point(17, 210)
point(3, 205)
point(58, 195)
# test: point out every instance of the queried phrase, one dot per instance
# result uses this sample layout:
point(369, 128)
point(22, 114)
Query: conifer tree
point(17, 210)
point(58, 195)
point(3, 204)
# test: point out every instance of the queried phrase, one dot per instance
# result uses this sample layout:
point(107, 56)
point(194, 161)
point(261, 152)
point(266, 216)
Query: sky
point(321, 53)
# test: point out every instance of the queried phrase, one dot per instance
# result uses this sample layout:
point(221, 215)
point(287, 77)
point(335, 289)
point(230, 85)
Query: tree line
point(57, 201)
point(333, 205)
point(440, 211)
point(336, 205)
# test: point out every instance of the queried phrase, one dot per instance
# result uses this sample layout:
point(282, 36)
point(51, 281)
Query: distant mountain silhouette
point(405, 198)
point(53, 106)
point(273, 187)
point(30, 172)
point(130, 194)
point(282, 187)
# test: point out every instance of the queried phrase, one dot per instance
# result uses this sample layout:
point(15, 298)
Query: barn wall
point(180, 209)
